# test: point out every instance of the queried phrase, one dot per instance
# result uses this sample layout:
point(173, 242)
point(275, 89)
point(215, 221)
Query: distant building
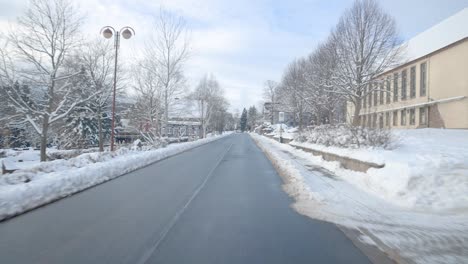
point(431, 88)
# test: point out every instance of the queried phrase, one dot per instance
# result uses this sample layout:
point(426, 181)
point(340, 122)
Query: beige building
point(431, 88)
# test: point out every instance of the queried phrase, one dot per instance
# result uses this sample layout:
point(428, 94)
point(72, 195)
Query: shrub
point(347, 136)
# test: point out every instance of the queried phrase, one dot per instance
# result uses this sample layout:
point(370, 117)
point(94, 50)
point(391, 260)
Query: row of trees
point(340, 71)
point(249, 119)
point(57, 86)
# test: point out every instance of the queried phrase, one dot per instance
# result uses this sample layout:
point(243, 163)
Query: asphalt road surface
point(218, 203)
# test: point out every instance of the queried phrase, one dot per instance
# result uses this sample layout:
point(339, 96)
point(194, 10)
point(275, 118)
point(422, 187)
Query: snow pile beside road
point(287, 132)
point(49, 181)
point(428, 169)
point(407, 236)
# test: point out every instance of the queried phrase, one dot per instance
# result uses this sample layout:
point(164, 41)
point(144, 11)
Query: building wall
point(449, 78)
point(446, 77)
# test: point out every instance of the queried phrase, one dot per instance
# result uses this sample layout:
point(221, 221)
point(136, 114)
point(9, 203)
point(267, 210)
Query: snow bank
point(288, 132)
point(53, 180)
point(407, 235)
point(428, 170)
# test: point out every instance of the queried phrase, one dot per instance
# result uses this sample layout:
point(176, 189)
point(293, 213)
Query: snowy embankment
point(286, 132)
point(426, 170)
point(408, 235)
point(49, 181)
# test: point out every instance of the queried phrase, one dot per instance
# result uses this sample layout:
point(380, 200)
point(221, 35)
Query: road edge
point(9, 217)
point(372, 252)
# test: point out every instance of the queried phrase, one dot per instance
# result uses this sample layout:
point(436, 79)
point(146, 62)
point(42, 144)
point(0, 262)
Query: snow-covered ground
point(287, 132)
point(52, 180)
point(427, 170)
point(422, 224)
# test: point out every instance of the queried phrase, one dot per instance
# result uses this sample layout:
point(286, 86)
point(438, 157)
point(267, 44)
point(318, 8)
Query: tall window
point(412, 117)
point(375, 93)
point(374, 120)
point(403, 117)
point(413, 82)
point(369, 87)
point(395, 87)
point(403, 84)
point(423, 81)
point(381, 98)
point(423, 116)
point(364, 98)
point(364, 120)
point(387, 119)
point(388, 89)
point(369, 121)
point(395, 118)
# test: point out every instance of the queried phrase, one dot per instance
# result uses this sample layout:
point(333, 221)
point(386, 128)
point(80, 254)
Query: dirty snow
point(49, 181)
point(428, 169)
point(411, 235)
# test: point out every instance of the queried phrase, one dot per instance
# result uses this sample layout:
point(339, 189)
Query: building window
point(374, 120)
point(388, 83)
point(403, 84)
point(387, 119)
point(412, 117)
point(364, 120)
point(370, 94)
point(422, 116)
point(395, 87)
point(423, 79)
point(413, 82)
point(364, 97)
point(403, 117)
point(369, 121)
point(380, 120)
point(395, 118)
point(375, 93)
point(381, 99)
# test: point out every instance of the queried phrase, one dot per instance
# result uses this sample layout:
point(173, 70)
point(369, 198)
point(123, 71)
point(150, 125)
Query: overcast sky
point(244, 42)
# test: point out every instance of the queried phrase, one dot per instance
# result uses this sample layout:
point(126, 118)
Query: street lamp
point(107, 32)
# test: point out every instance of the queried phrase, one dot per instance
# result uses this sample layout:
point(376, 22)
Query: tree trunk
point(45, 128)
point(166, 112)
point(101, 141)
point(357, 110)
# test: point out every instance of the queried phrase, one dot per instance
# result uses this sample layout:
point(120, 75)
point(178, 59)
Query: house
point(431, 88)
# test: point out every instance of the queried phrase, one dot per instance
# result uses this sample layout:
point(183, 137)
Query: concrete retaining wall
point(347, 163)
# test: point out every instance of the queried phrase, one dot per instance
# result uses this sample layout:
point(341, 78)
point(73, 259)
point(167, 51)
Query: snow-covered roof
point(448, 31)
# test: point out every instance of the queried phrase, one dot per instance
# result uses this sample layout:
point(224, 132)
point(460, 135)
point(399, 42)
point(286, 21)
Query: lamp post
point(108, 32)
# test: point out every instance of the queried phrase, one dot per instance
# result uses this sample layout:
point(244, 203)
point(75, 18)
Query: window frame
point(423, 79)
point(395, 118)
point(395, 87)
point(412, 117)
point(403, 117)
point(404, 84)
point(425, 115)
point(413, 82)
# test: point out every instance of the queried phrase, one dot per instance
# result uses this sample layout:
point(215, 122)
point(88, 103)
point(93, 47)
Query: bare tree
point(367, 44)
point(269, 94)
point(97, 58)
point(146, 113)
point(169, 50)
point(39, 45)
point(210, 100)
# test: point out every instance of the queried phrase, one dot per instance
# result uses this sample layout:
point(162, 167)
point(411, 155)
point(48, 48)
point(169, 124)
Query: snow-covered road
point(406, 235)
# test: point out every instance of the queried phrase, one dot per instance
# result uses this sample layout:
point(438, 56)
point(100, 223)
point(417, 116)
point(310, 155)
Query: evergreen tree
point(243, 120)
point(252, 117)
